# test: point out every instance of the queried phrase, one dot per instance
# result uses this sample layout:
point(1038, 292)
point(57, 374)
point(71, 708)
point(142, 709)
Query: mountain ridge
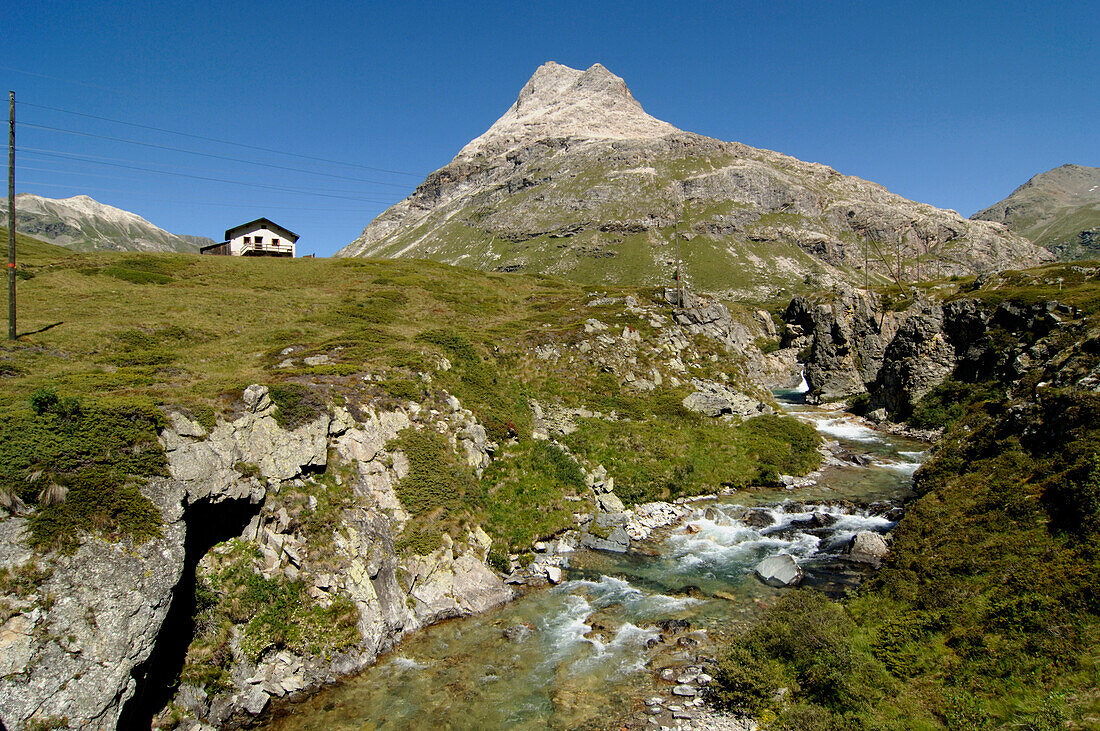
point(84, 224)
point(539, 191)
point(1058, 209)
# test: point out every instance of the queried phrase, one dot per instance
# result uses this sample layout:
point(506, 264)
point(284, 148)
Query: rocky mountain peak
point(559, 101)
point(85, 224)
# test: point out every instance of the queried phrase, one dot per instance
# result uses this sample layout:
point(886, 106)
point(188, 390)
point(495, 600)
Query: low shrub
point(296, 404)
point(94, 456)
point(946, 403)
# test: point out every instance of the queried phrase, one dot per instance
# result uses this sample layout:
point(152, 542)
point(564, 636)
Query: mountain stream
point(625, 628)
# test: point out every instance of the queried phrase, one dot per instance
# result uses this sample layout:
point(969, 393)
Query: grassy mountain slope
point(1058, 209)
point(107, 331)
point(577, 180)
point(83, 224)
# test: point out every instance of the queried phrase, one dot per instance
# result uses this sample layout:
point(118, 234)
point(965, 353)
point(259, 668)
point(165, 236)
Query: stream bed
point(625, 628)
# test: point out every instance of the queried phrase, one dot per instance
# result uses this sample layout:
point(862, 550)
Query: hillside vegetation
point(986, 614)
point(115, 334)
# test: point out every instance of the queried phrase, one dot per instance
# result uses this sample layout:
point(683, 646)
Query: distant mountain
point(84, 224)
point(577, 180)
point(1058, 209)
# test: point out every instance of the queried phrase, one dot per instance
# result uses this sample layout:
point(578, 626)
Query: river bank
point(625, 639)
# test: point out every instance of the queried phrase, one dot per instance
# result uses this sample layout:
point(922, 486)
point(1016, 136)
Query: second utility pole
point(11, 215)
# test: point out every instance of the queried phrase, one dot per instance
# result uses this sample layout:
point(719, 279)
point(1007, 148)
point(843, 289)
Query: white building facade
point(261, 237)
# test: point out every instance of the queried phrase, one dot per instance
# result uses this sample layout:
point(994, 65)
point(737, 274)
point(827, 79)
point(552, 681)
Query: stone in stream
point(867, 547)
point(686, 691)
point(779, 571)
point(553, 574)
point(757, 518)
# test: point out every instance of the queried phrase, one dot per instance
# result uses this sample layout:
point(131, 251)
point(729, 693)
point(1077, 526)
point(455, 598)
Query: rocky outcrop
point(842, 337)
point(100, 639)
point(453, 580)
point(71, 647)
point(852, 345)
point(716, 399)
point(918, 359)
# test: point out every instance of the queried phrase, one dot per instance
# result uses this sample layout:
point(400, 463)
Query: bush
point(296, 404)
point(745, 682)
point(436, 480)
point(812, 637)
point(946, 403)
point(43, 400)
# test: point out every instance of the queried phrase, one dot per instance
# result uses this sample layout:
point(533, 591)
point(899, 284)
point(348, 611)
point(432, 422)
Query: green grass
point(1076, 284)
point(79, 463)
point(986, 613)
point(522, 498)
point(663, 458)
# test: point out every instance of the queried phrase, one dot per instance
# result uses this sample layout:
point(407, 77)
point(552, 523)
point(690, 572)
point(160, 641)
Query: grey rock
point(58, 662)
point(256, 398)
point(609, 502)
point(255, 700)
point(867, 547)
point(779, 571)
point(686, 691)
point(715, 399)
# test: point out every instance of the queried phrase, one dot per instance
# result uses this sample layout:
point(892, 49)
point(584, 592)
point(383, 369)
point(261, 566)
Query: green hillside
point(107, 335)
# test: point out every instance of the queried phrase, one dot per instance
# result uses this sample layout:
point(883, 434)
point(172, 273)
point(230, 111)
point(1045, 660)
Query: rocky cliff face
point(96, 639)
point(86, 225)
point(576, 179)
point(853, 344)
point(1058, 209)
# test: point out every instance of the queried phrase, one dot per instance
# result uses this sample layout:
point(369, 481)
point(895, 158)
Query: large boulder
point(715, 399)
point(607, 532)
point(867, 547)
point(779, 571)
point(453, 581)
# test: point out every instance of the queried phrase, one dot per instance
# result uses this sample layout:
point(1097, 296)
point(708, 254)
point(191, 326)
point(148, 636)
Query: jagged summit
point(576, 180)
point(559, 101)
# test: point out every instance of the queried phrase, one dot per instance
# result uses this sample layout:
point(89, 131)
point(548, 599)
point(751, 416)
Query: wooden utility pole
point(866, 267)
point(679, 271)
point(11, 215)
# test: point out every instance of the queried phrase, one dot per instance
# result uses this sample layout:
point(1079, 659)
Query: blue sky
point(953, 104)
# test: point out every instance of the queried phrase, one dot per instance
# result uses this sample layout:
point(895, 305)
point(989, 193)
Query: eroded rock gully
point(101, 641)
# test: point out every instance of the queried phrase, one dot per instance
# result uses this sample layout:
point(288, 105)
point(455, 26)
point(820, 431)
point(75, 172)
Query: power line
point(87, 174)
point(27, 183)
point(59, 78)
point(370, 196)
point(234, 182)
point(211, 155)
point(222, 142)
